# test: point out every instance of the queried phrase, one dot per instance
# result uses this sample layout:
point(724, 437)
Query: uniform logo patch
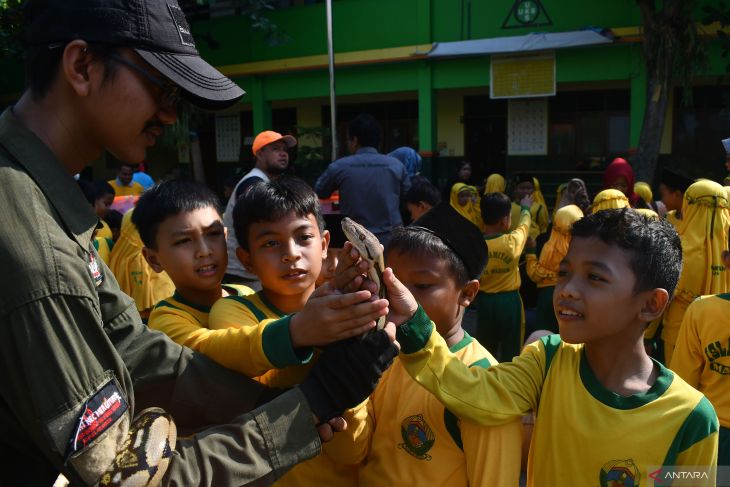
point(183, 29)
point(96, 273)
point(100, 411)
point(418, 437)
point(619, 473)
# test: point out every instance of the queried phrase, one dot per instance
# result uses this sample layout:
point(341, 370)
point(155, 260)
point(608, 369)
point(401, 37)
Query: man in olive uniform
point(76, 362)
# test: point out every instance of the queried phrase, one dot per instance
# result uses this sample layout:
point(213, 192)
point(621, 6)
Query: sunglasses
point(169, 92)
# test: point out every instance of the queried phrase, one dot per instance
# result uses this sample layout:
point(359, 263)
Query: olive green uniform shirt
point(67, 331)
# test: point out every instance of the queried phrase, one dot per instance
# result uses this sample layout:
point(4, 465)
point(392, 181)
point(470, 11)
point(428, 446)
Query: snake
point(145, 455)
point(370, 251)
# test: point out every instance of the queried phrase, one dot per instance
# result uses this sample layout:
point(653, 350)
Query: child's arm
point(535, 270)
point(490, 396)
point(493, 454)
point(518, 236)
point(688, 359)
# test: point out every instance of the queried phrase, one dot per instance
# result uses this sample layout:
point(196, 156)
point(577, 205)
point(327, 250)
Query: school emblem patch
point(418, 437)
point(619, 473)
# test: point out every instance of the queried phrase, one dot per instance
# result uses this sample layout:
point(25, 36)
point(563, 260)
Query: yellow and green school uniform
point(544, 272)
point(104, 231)
point(471, 210)
point(539, 219)
point(104, 248)
point(702, 358)
point(703, 231)
point(265, 338)
point(584, 433)
point(134, 188)
point(409, 439)
point(501, 320)
point(134, 275)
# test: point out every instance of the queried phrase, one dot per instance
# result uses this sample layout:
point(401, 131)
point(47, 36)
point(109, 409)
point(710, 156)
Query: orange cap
point(269, 137)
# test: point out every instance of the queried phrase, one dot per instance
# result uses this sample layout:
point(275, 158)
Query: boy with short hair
point(499, 305)
point(594, 385)
point(671, 189)
point(439, 260)
point(279, 228)
point(183, 235)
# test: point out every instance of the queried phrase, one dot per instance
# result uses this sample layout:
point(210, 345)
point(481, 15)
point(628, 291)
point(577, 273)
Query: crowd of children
point(631, 296)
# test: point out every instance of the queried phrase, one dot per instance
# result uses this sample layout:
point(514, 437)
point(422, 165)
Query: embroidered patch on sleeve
point(100, 411)
point(96, 273)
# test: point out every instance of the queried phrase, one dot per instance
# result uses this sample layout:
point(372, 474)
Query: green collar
point(59, 187)
point(180, 299)
point(461, 343)
point(268, 304)
point(611, 399)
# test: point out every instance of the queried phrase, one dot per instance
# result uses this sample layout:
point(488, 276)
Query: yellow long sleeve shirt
point(539, 218)
point(583, 432)
point(538, 273)
point(265, 330)
point(702, 354)
point(408, 438)
point(502, 272)
point(254, 336)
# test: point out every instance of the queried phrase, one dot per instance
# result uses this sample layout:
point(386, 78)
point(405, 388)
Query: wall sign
point(527, 13)
point(527, 127)
point(228, 138)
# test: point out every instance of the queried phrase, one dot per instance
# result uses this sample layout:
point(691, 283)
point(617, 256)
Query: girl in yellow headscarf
point(609, 198)
point(537, 194)
point(644, 191)
point(704, 234)
point(544, 272)
point(135, 276)
point(495, 184)
point(465, 200)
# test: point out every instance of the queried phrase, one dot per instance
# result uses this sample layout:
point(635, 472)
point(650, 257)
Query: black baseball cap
point(459, 234)
point(156, 29)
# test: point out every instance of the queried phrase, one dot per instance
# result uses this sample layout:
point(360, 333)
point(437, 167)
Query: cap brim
point(289, 140)
point(202, 84)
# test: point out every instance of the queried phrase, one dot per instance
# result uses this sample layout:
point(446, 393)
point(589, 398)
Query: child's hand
point(531, 243)
point(330, 316)
point(349, 273)
point(527, 201)
point(401, 302)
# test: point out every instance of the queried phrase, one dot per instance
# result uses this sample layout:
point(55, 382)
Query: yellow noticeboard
point(522, 76)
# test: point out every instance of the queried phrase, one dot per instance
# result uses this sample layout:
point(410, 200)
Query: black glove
point(347, 373)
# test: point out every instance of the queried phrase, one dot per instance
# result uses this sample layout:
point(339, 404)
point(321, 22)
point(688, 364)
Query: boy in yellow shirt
point(499, 306)
point(123, 184)
point(279, 229)
point(597, 394)
point(407, 436)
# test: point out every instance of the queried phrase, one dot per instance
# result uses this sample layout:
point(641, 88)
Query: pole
point(331, 55)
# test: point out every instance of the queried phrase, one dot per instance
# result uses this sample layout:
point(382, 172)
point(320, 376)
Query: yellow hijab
point(644, 191)
point(556, 247)
point(470, 210)
point(537, 195)
point(647, 212)
point(703, 230)
point(495, 184)
point(609, 198)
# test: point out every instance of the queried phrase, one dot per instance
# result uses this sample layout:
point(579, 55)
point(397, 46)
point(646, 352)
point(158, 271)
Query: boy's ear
point(655, 302)
point(325, 243)
point(468, 292)
point(244, 257)
point(150, 255)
